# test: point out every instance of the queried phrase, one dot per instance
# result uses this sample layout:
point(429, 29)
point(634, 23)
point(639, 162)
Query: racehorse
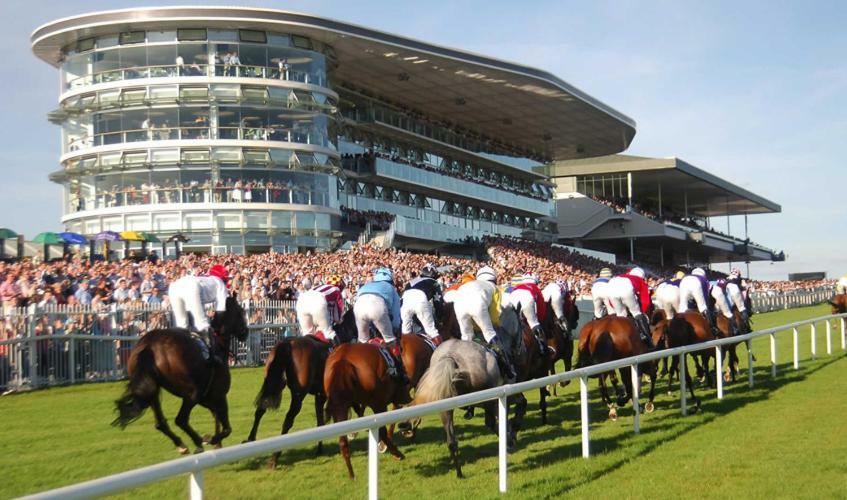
point(297, 362)
point(839, 303)
point(611, 338)
point(683, 329)
point(460, 367)
point(559, 340)
point(357, 376)
point(173, 360)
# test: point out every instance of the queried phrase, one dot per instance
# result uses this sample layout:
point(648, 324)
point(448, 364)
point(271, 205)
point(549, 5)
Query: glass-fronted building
point(252, 129)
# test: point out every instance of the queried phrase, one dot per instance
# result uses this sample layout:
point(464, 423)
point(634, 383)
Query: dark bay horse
point(839, 303)
point(611, 338)
point(684, 329)
point(559, 340)
point(173, 360)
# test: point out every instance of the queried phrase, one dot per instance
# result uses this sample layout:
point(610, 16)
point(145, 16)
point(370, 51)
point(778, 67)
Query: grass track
point(786, 437)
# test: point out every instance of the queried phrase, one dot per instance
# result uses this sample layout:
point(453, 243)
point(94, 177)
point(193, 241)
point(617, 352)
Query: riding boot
point(542, 340)
point(713, 324)
point(745, 317)
point(502, 358)
point(206, 335)
point(733, 328)
point(643, 325)
point(394, 349)
point(336, 341)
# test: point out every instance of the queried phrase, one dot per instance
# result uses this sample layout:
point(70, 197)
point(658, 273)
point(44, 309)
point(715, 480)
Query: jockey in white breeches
point(667, 295)
point(695, 287)
point(555, 293)
point(378, 303)
point(320, 308)
point(629, 294)
point(736, 294)
point(718, 292)
point(418, 300)
point(600, 293)
point(190, 294)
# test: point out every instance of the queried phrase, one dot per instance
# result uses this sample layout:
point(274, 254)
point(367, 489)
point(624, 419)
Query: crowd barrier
point(768, 301)
point(195, 465)
point(57, 345)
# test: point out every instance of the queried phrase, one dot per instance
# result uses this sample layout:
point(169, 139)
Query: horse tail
point(141, 389)
point(339, 381)
point(270, 395)
point(604, 348)
point(439, 381)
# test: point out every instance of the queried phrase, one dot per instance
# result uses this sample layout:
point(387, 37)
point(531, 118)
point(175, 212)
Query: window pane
point(252, 36)
point(131, 37)
point(190, 34)
point(161, 36)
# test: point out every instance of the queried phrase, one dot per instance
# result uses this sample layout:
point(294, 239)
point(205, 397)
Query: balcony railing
point(198, 70)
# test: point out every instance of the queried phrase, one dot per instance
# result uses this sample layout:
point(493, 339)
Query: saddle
point(204, 347)
point(428, 340)
point(394, 369)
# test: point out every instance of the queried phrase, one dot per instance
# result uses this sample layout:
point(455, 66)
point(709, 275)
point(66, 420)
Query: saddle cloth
point(387, 356)
point(428, 340)
point(204, 348)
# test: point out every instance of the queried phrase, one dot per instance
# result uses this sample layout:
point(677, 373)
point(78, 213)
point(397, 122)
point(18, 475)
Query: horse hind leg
point(257, 417)
point(452, 444)
point(542, 404)
point(293, 411)
point(182, 422)
point(163, 427)
point(320, 401)
point(222, 428)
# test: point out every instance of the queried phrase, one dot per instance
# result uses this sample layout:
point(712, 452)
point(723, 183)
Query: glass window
point(161, 36)
point(85, 44)
point(194, 123)
point(161, 94)
point(106, 61)
point(162, 55)
point(193, 34)
point(253, 55)
point(252, 36)
point(228, 122)
point(279, 39)
point(193, 57)
point(107, 41)
point(301, 42)
point(305, 220)
point(226, 93)
point(163, 123)
point(194, 94)
point(164, 156)
point(131, 37)
point(223, 35)
point(195, 156)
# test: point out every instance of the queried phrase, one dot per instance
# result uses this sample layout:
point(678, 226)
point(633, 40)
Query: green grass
point(783, 438)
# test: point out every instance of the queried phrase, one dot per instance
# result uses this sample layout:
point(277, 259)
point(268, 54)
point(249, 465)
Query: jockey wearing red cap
point(190, 294)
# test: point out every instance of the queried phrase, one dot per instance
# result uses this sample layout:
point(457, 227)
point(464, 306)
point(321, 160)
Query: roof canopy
point(682, 185)
point(523, 111)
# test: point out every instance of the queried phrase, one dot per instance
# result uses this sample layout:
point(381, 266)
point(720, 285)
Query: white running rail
point(196, 464)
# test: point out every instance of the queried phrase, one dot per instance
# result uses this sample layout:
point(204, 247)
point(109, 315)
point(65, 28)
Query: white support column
point(829, 338)
point(502, 424)
point(718, 370)
point(195, 485)
point(583, 397)
point(773, 355)
point(635, 383)
point(373, 463)
point(749, 364)
point(683, 403)
point(814, 335)
point(796, 350)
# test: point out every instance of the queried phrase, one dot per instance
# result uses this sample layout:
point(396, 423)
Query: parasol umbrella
point(106, 237)
point(178, 239)
point(131, 236)
point(5, 234)
point(48, 239)
point(73, 238)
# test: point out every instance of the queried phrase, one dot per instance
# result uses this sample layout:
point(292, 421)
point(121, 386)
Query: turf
point(785, 437)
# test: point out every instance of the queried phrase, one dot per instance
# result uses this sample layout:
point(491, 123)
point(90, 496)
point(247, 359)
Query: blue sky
point(755, 92)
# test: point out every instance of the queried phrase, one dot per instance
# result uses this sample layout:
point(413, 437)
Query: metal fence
point(57, 345)
point(774, 300)
point(195, 465)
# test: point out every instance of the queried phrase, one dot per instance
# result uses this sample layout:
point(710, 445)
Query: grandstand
point(654, 210)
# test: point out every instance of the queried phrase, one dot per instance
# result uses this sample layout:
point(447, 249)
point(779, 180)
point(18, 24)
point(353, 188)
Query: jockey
point(450, 292)
point(190, 294)
point(526, 294)
point(418, 299)
point(841, 286)
point(718, 291)
point(320, 308)
point(630, 293)
point(667, 295)
point(378, 304)
point(695, 287)
point(556, 293)
point(735, 292)
point(599, 293)
point(478, 302)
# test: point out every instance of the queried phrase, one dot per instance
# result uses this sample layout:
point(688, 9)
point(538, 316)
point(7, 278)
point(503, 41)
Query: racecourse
point(783, 438)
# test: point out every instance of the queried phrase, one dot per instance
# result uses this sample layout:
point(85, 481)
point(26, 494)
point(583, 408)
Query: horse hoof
point(564, 383)
point(649, 407)
point(409, 434)
point(727, 377)
point(199, 449)
point(272, 464)
point(182, 450)
point(352, 435)
point(382, 447)
point(218, 446)
point(613, 414)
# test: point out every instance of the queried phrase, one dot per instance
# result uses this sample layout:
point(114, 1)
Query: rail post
point(373, 463)
point(683, 403)
point(718, 370)
point(635, 382)
point(773, 355)
point(828, 338)
point(503, 427)
point(749, 365)
point(583, 411)
point(71, 360)
point(796, 350)
point(195, 485)
point(843, 335)
point(814, 332)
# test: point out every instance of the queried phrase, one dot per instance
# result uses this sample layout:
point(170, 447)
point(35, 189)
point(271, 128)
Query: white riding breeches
point(184, 295)
point(313, 315)
point(623, 298)
point(529, 308)
point(721, 302)
point(450, 296)
point(600, 296)
point(690, 289)
point(553, 294)
point(735, 296)
point(470, 308)
point(371, 309)
point(667, 298)
point(416, 305)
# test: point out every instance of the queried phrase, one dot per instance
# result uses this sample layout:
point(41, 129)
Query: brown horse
point(684, 329)
point(171, 359)
point(356, 376)
point(611, 338)
point(839, 303)
point(559, 340)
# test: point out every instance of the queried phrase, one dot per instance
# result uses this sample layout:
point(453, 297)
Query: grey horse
point(460, 367)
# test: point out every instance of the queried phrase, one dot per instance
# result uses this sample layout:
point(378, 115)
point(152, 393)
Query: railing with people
point(60, 344)
point(199, 70)
point(197, 464)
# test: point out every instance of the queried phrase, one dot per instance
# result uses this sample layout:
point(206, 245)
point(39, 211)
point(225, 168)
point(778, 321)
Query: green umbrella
point(7, 234)
point(48, 239)
point(151, 238)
